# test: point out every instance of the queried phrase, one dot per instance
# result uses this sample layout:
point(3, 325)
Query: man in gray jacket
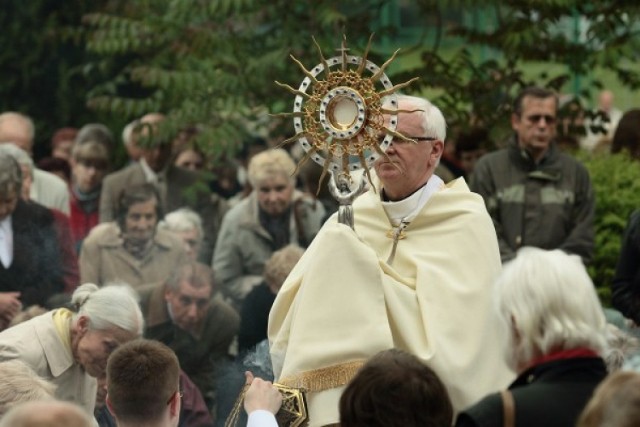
point(536, 195)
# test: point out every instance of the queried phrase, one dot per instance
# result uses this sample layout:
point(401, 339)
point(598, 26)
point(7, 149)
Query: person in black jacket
point(557, 334)
point(254, 316)
point(30, 265)
point(626, 282)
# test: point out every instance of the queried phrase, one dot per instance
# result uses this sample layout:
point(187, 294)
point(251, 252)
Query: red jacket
point(68, 256)
point(81, 222)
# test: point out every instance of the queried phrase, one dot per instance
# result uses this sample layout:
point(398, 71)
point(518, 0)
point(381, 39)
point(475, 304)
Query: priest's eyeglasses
point(415, 138)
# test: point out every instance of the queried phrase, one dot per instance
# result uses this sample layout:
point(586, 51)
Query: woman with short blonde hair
point(274, 215)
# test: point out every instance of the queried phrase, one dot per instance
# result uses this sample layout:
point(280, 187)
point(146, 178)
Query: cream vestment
point(343, 303)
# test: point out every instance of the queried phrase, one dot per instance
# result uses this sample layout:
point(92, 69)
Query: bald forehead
point(18, 129)
point(152, 118)
point(149, 123)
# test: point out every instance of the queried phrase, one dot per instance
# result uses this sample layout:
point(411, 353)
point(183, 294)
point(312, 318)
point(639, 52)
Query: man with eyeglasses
point(199, 328)
point(143, 387)
point(415, 273)
point(537, 195)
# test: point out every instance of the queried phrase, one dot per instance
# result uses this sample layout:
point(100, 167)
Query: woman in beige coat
point(132, 249)
point(70, 349)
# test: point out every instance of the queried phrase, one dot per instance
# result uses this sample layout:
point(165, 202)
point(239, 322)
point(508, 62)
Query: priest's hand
point(261, 395)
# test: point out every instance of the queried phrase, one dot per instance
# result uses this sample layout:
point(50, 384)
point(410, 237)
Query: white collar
point(6, 242)
point(407, 209)
point(149, 174)
point(6, 223)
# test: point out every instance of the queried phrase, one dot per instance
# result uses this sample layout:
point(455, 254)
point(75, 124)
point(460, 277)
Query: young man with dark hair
point(143, 385)
point(395, 389)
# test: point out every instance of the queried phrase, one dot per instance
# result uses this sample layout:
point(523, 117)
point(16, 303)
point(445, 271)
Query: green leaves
point(616, 183)
point(213, 61)
point(117, 35)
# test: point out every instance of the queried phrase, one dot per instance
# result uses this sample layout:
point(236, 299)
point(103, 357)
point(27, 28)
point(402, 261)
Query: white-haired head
point(109, 306)
point(433, 122)
point(180, 220)
point(548, 301)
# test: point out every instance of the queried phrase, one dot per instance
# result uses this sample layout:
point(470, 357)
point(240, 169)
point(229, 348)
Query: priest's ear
point(437, 148)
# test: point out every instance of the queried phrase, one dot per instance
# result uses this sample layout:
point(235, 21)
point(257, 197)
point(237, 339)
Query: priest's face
point(409, 165)
point(274, 194)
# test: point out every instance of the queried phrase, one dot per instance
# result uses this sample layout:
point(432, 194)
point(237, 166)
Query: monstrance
point(346, 120)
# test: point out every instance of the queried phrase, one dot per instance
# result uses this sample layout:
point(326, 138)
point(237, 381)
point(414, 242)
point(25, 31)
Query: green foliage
point(40, 64)
point(616, 182)
point(213, 63)
point(517, 35)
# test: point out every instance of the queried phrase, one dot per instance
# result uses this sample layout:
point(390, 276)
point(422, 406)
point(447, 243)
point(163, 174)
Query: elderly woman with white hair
point(557, 332)
point(186, 225)
point(274, 215)
point(70, 349)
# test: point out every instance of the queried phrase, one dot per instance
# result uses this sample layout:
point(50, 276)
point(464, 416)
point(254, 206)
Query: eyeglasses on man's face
point(535, 118)
point(397, 140)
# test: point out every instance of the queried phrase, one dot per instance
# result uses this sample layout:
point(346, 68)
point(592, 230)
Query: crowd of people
point(459, 297)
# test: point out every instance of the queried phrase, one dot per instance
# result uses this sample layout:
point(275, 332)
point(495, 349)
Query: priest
point(415, 273)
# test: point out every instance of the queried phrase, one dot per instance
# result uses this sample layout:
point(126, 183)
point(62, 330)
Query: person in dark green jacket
point(625, 289)
point(535, 194)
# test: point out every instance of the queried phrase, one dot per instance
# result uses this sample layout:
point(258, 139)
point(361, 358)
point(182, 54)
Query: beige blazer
point(36, 342)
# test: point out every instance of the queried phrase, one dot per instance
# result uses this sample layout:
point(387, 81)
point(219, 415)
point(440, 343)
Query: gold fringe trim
point(323, 378)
